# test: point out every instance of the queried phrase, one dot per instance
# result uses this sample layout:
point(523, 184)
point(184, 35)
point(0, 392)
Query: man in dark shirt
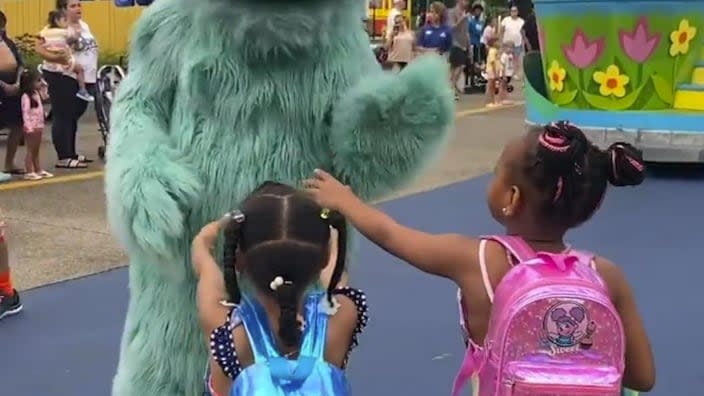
point(531, 29)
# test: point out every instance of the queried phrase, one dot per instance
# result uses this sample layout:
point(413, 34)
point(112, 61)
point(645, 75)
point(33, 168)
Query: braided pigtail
point(625, 165)
point(562, 148)
point(287, 296)
point(338, 222)
point(232, 239)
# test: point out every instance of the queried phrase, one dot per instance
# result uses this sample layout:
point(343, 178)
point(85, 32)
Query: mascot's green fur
point(221, 96)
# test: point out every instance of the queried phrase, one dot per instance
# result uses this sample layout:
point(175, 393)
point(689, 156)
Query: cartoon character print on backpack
point(567, 328)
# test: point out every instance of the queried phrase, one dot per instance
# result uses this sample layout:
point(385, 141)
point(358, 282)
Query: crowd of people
point(66, 77)
point(476, 45)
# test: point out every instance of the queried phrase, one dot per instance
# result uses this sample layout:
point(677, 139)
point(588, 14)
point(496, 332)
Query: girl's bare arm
point(446, 255)
point(211, 286)
point(640, 364)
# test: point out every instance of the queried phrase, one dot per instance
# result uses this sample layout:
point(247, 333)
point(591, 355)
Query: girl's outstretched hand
point(327, 191)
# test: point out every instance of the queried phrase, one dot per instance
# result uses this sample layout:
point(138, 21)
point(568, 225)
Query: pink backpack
point(553, 329)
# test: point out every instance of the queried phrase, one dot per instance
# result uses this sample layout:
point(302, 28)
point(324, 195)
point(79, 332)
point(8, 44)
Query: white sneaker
point(85, 96)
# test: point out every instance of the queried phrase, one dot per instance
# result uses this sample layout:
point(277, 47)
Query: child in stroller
point(109, 78)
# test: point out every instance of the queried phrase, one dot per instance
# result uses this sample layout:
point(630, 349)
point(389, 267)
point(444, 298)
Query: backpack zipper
point(586, 390)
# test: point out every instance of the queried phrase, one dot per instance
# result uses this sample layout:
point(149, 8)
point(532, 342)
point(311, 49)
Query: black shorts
point(458, 57)
point(10, 111)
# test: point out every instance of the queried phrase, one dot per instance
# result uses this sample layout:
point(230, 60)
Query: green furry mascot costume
point(225, 94)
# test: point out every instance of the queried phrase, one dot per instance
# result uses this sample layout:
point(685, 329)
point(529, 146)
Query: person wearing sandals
point(33, 123)
point(63, 86)
point(11, 68)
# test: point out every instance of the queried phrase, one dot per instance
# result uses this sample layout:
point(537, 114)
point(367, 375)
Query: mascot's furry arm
point(143, 164)
point(389, 126)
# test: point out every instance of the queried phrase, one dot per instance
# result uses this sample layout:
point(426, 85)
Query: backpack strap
point(315, 334)
point(256, 323)
point(515, 245)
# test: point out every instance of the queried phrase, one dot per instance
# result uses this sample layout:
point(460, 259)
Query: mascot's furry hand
point(404, 115)
point(166, 182)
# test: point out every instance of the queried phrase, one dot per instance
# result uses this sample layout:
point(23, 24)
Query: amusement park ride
point(628, 70)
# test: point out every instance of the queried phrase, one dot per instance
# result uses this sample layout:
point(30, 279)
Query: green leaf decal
point(663, 88)
point(612, 103)
point(564, 98)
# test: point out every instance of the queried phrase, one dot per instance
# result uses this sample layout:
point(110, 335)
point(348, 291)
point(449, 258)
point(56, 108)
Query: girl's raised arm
point(447, 255)
point(211, 284)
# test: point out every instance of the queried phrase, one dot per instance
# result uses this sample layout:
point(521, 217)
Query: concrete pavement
point(58, 228)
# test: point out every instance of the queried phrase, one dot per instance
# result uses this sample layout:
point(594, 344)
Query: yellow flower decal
point(681, 37)
point(556, 77)
point(611, 82)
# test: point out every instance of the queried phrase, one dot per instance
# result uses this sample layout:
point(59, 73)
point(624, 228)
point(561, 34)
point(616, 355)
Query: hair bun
point(626, 166)
point(563, 145)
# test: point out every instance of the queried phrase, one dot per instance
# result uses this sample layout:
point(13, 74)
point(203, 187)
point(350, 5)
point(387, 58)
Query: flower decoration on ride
point(681, 37)
point(639, 44)
point(611, 81)
point(556, 76)
point(581, 52)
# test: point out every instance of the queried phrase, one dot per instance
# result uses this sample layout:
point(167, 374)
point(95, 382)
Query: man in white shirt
point(398, 8)
point(512, 33)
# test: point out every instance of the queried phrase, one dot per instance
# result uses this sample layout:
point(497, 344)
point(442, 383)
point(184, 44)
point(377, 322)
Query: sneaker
point(85, 96)
point(10, 305)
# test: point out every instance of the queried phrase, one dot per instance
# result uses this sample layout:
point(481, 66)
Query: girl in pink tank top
point(545, 183)
point(33, 124)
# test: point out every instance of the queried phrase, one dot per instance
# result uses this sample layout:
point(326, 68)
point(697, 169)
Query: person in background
point(457, 20)
point(531, 31)
point(493, 74)
point(10, 303)
point(507, 68)
point(435, 36)
point(56, 38)
point(396, 10)
point(67, 109)
point(511, 31)
point(401, 45)
point(11, 68)
point(475, 27)
point(33, 123)
point(489, 31)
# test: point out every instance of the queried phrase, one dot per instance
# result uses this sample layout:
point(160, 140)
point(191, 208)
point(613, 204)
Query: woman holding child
point(67, 106)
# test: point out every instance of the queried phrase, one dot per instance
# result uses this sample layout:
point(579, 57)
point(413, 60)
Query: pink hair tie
point(553, 143)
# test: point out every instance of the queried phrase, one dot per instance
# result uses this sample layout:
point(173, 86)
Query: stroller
point(109, 78)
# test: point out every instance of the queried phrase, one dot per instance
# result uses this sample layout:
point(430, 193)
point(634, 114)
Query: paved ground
point(58, 226)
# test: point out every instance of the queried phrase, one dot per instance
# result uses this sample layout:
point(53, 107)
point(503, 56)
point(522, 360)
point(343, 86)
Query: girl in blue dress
point(267, 307)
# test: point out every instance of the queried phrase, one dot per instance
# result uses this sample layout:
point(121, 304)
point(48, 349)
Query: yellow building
point(110, 25)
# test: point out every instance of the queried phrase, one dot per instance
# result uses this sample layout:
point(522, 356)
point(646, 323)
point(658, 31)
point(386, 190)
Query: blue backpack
point(273, 374)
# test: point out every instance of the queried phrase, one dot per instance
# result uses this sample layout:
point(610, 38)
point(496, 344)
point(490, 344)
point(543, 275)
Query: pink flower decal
point(581, 52)
point(639, 44)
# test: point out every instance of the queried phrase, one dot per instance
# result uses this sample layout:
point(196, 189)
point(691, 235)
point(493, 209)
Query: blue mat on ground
point(66, 343)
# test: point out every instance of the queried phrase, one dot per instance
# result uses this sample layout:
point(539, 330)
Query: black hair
point(3, 20)
point(27, 85)
point(54, 17)
point(61, 4)
point(571, 174)
point(283, 234)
